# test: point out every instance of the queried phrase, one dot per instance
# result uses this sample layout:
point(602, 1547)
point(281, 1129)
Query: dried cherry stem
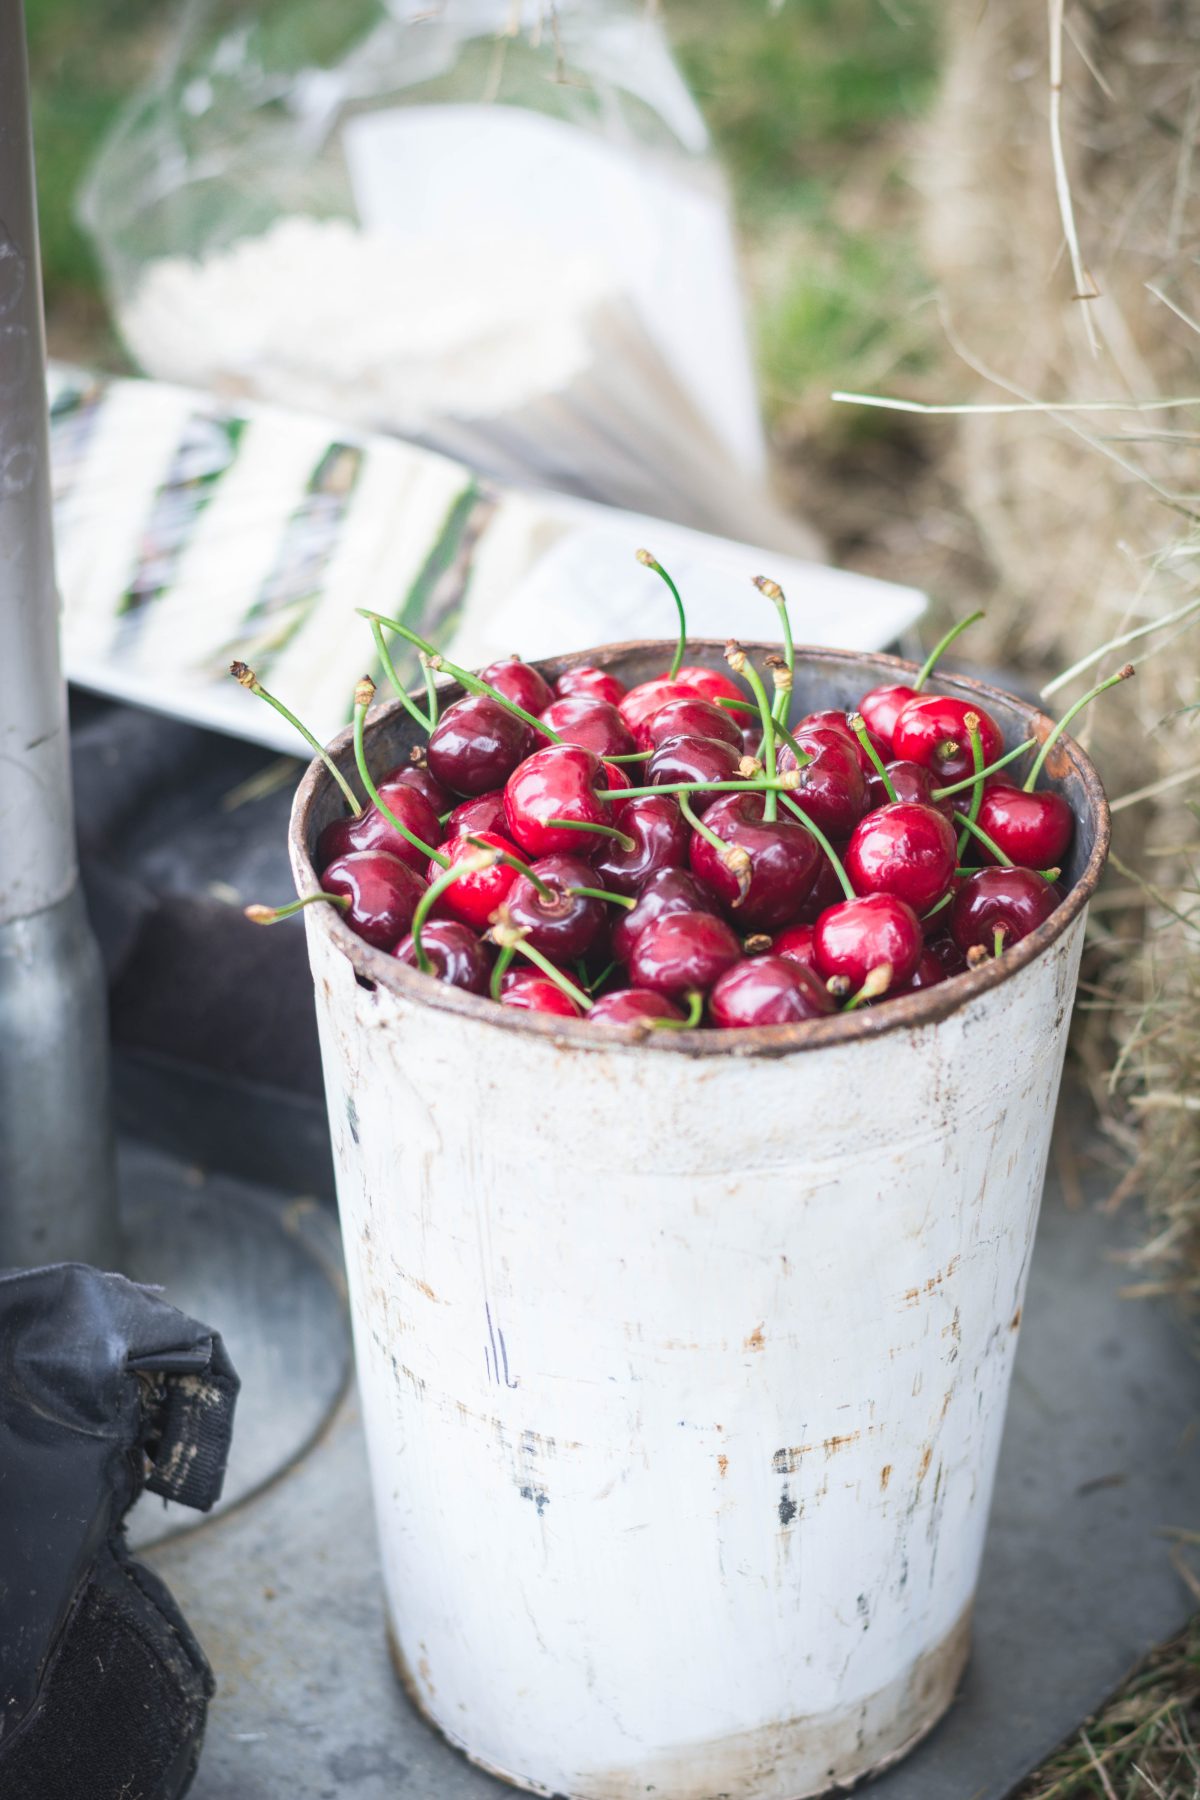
point(589, 893)
point(610, 831)
point(835, 861)
point(695, 1013)
point(858, 727)
point(733, 856)
point(364, 693)
point(1113, 680)
point(651, 562)
point(971, 721)
point(977, 831)
point(878, 981)
point(781, 731)
point(474, 864)
point(741, 665)
point(249, 680)
point(271, 915)
point(465, 679)
point(514, 862)
point(772, 591)
point(940, 648)
point(403, 696)
point(1001, 762)
point(505, 934)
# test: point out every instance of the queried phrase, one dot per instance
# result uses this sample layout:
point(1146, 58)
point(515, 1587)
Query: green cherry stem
point(998, 937)
point(589, 893)
point(835, 861)
point(859, 728)
point(466, 865)
point(733, 856)
point(631, 756)
point(772, 591)
point(741, 665)
point(403, 696)
point(977, 831)
point(758, 786)
point(464, 677)
point(694, 1014)
point(1052, 739)
point(249, 680)
point(940, 648)
point(364, 693)
point(971, 721)
point(944, 901)
point(500, 969)
point(610, 831)
point(271, 915)
point(781, 731)
point(1001, 762)
point(545, 965)
point(431, 693)
point(651, 562)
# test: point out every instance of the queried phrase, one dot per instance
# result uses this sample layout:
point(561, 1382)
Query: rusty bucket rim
point(928, 1006)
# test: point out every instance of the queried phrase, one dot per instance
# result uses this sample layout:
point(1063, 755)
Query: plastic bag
point(491, 226)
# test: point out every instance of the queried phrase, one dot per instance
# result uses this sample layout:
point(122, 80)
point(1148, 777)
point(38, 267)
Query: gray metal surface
point(1099, 1457)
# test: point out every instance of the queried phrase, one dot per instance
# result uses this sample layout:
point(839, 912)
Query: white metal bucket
point(683, 1364)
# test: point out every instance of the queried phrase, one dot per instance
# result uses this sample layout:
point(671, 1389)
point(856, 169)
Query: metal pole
point(57, 1183)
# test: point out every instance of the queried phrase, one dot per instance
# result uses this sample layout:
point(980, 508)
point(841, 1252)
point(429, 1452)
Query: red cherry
point(710, 684)
point(694, 759)
point(795, 944)
point(458, 957)
point(856, 936)
point(537, 993)
point(1011, 902)
point(666, 891)
point(597, 725)
point(882, 707)
point(683, 952)
point(932, 731)
point(383, 894)
point(767, 990)
point(473, 899)
point(558, 783)
point(566, 926)
point(476, 745)
point(648, 696)
point(910, 782)
point(783, 862)
point(416, 775)
point(484, 814)
point(520, 683)
point(832, 790)
point(688, 718)
point(906, 850)
point(947, 952)
point(370, 830)
point(597, 684)
point(928, 973)
point(629, 1006)
point(1033, 830)
point(832, 720)
point(660, 836)
point(826, 890)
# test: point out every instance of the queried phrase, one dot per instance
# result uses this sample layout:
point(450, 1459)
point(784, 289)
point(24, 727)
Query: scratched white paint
point(684, 1380)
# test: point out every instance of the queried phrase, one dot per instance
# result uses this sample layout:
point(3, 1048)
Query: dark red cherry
point(688, 718)
point(832, 790)
point(416, 775)
point(559, 782)
point(568, 925)
point(472, 899)
point(694, 759)
point(826, 890)
point(648, 696)
point(666, 891)
point(767, 990)
point(947, 952)
point(537, 993)
point(660, 836)
point(856, 936)
point(370, 830)
point(932, 731)
point(911, 783)
point(906, 850)
point(484, 814)
point(682, 953)
point(997, 907)
point(832, 720)
point(1033, 830)
point(630, 1006)
point(597, 684)
point(928, 973)
point(710, 684)
point(795, 943)
point(476, 745)
point(882, 707)
point(458, 957)
point(383, 894)
point(783, 862)
point(596, 724)
point(520, 684)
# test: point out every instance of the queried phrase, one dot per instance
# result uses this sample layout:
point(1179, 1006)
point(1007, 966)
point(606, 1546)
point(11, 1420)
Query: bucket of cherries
point(657, 845)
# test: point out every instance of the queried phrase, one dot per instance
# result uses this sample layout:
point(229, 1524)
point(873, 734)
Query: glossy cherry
point(910, 782)
point(1033, 830)
point(882, 707)
point(682, 953)
point(520, 683)
point(767, 990)
point(832, 720)
point(826, 890)
point(696, 760)
point(416, 775)
point(558, 782)
point(476, 745)
point(784, 859)
point(458, 956)
point(370, 830)
point(660, 836)
point(795, 943)
point(484, 814)
point(688, 718)
point(596, 724)
point(537, 993)
point(597, 684)
point(907, 850)
point(997, 907)
point(710, 684)
point(833, 789)
point(928, 973)
point(932, 731)
point(666, 891)
point(856, 936)
point(383, 894)
point(638, 704)
point(472, 899)
point(632, 1006)
point(568, 925)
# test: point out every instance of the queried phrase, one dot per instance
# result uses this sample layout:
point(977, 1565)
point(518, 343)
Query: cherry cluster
point(678, 853)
